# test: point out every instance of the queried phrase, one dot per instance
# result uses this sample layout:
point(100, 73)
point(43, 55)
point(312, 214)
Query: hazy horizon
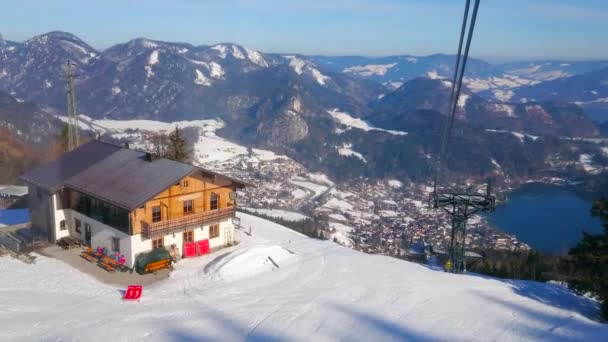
point(517, 30)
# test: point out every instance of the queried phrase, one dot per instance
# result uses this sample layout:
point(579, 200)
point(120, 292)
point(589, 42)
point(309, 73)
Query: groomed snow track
point(320, 291)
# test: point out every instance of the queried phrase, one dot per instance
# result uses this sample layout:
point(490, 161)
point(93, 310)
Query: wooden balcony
point(153, 229)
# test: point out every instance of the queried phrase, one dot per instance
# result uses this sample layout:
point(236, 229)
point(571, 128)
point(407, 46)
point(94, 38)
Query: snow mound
point(250, 262)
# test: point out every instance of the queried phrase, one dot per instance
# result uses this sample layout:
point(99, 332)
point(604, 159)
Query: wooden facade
point(192, 196)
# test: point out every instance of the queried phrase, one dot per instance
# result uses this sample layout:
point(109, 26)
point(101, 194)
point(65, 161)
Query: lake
point(547, 217)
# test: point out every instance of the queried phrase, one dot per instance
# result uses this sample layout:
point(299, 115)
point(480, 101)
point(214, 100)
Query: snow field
point(320, 291)
point(350, 122)
point(278, 213)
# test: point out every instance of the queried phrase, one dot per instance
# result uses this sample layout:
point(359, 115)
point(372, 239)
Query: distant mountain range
point(347, 116)
point(497, 82)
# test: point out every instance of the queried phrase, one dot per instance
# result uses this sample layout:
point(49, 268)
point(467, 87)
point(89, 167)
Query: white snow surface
point(320, 292)
point(434, 75)
point(279, 213)
point(216, 70)
point(116, 90)
point(201, 79)
point(299, 66)
point(208, 148)
point(317, 189)
point(212, 148)
point(347, 151)
point(369, 70)
point(209, 125)
point(348, 121)
point(518, 135)
point(256, 57)
point(221, 49)
point(462, 100)
point(320, 178)
point(153, 59)
point(395, 184)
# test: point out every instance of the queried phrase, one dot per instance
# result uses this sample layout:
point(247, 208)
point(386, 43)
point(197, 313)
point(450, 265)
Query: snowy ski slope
point(320, 292)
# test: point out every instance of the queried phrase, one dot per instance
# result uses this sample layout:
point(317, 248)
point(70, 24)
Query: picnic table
point(89, 256)
point(110, 264)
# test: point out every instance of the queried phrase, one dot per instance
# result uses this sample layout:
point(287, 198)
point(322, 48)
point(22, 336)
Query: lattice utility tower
point(461, 206)
point(73, 134)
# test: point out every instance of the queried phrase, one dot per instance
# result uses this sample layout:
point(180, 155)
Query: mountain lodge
point(130, 202)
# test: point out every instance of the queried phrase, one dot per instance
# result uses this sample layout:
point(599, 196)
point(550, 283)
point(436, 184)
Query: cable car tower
point(73, 134)
point(459, 205)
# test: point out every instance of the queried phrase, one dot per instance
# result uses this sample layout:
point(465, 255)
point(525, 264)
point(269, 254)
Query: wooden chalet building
point(130, 201)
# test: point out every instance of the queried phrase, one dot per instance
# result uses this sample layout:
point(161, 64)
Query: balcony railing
point(188, 221)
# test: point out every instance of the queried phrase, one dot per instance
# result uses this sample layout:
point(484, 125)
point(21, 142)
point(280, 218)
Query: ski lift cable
point(464, 64)
point(456, 84)
point(447, 122)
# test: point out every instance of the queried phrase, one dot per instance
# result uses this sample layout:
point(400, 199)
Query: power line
point(444, 138)
point(460, 206)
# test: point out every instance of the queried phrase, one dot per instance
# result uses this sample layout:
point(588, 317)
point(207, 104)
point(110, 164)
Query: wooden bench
point(88, 256)
point(106, 266)
point(157, 265)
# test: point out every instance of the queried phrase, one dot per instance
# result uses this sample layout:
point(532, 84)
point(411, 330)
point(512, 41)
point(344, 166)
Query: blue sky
point(572, 29)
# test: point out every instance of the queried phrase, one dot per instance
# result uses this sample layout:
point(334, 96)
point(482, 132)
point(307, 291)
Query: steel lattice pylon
point(73, 134)
point(461, 207)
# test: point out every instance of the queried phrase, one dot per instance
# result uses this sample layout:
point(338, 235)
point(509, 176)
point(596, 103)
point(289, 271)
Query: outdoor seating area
point(110, 263)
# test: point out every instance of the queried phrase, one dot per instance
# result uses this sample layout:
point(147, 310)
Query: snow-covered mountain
point(589, 91)
point(163, 80)
point(496, 82)
point(30, 124)
point(541, 118)
point(344, 124)
point(311, 290)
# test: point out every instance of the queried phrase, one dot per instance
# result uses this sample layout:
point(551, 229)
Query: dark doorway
point(87, 234)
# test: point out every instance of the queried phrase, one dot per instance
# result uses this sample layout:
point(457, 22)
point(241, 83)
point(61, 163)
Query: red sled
point(133, 292)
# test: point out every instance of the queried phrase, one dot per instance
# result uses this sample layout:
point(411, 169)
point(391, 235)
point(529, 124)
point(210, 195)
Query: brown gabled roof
point(123, 177)
point(52, 175)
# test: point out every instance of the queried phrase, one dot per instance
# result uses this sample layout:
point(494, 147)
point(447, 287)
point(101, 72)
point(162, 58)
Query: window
point(215, 201)
point(185, 183)
point(158, 243)
point(188, 208)
point(115, 244)
point(156, 216)
point(62, 225)
point(188, 236)
point(214, 231)
point(77, 225)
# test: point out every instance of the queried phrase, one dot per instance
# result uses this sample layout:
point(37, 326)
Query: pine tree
point(60, 145)
point(177, 147)
point(160, 144)
point(590, 260)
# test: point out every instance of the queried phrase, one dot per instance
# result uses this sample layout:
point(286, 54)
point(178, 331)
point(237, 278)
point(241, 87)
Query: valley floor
point(320, 291)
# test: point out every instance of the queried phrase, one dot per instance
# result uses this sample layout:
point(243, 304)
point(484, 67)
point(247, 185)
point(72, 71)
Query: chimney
point(150, 157)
